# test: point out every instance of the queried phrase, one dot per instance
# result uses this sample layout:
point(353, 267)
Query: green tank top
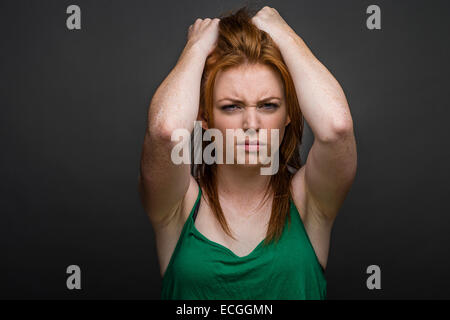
point(203, 269)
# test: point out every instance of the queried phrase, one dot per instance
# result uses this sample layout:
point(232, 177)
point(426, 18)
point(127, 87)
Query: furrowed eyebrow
point(239, 101)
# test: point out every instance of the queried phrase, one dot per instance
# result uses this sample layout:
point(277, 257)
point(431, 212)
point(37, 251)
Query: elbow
point(160, 132)
point(341, 128)
point(170, 135)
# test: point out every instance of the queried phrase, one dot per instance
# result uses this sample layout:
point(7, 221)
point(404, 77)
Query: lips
point(256, 142)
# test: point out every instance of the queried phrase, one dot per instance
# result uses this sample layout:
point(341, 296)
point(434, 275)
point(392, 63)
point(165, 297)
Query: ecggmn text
point(245, 309)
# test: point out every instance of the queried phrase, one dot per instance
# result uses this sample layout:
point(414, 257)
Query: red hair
point(241, 42)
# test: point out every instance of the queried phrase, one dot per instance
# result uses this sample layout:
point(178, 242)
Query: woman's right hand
point(204, 33)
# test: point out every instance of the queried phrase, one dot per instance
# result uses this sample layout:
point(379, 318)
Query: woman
point(229, 232)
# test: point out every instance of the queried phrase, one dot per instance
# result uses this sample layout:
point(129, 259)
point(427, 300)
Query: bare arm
point(331, 163)
point(163, 184)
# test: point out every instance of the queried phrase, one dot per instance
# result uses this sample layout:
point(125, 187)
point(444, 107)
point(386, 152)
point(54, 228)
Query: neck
point(240, 183)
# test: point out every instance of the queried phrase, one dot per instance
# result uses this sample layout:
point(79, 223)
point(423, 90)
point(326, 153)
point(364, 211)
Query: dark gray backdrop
point(72, 120)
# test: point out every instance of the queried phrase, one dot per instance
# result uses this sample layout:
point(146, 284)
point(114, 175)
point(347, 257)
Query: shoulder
point(168, 235)
point(317, 229)
point(304, 202)
point(298, 192)
point(189, 199)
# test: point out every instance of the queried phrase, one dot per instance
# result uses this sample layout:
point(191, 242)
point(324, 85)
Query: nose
point(251, 119)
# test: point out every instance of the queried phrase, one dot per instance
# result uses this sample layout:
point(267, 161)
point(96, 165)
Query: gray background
point(72, 120)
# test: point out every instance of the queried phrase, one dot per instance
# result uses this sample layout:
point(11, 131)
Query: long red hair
point(241, 42)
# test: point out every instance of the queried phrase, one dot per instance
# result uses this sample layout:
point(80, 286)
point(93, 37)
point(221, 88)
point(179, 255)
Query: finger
point(255, 21)
point(198, 21)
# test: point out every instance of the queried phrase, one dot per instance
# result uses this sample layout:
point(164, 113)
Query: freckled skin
point(249, 84)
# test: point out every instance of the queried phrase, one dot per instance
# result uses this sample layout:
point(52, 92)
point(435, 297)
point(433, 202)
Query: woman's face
point(249, 97)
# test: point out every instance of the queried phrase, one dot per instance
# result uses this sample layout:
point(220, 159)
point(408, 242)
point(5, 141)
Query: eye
point(269, 106)
point(230, 107)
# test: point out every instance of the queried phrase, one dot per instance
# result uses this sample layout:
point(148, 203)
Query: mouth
point(251, 143)
point(251, 146)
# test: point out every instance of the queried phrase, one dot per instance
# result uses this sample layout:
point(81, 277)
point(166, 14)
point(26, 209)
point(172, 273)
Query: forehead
point(248, 83)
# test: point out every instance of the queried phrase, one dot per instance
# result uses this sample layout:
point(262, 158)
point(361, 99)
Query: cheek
point(277, 121)
point(221, 121)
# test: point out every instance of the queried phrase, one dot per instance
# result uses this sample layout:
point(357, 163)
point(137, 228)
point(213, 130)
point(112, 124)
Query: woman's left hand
point(269, 20)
